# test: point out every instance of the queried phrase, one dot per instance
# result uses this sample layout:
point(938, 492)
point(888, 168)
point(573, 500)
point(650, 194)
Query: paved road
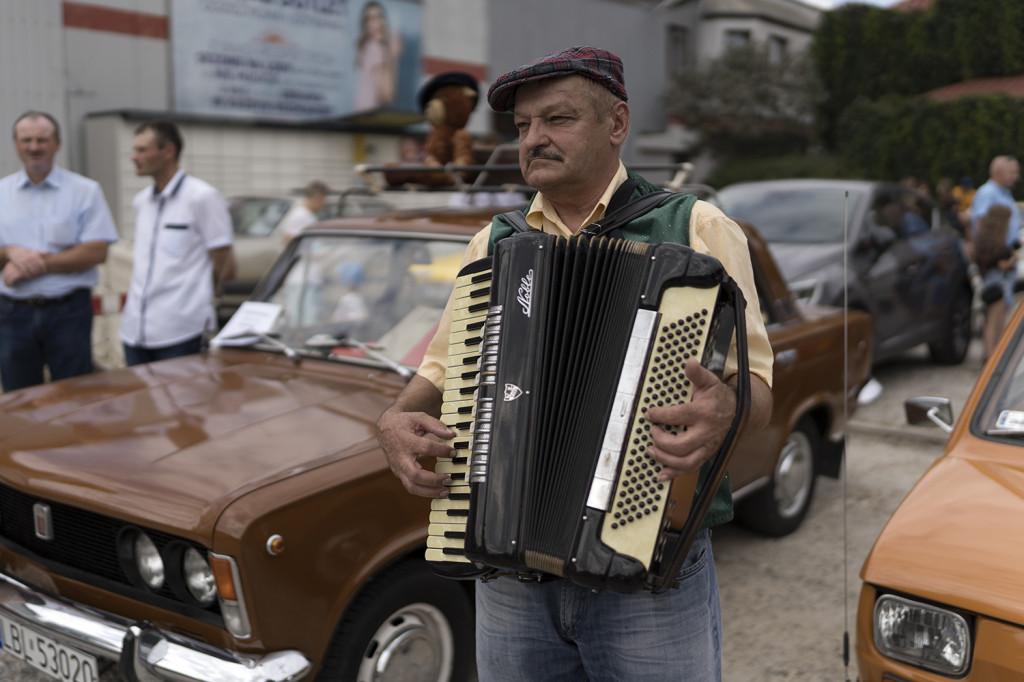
point(787, 602)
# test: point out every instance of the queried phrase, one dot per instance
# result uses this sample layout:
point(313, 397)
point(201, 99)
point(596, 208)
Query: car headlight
point(148, 562)
point(923, 635)
point(198, 577)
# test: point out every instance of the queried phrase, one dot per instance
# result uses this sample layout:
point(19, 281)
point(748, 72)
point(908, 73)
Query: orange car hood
point(171, 444)
point(956, 538)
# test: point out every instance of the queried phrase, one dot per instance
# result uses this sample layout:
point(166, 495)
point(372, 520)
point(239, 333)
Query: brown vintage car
point(229, 516)
point(941, 596)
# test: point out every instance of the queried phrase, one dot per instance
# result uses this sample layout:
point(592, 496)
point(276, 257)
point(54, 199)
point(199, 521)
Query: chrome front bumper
point(143, 651)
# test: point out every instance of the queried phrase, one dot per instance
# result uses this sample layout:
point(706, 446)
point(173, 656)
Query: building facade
point(122, 58)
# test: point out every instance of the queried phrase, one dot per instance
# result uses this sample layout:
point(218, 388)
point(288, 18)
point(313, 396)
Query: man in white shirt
point(183, 250)
point(305, 213)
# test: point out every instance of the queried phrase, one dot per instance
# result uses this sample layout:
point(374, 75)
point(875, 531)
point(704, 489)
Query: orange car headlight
point(922, 635)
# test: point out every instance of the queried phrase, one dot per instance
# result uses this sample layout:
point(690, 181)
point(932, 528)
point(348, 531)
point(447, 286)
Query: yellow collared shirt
point(711, 232)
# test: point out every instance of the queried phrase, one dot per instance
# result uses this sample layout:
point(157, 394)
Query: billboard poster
point(295, 59)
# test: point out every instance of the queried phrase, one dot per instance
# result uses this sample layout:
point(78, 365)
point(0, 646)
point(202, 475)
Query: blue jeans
point(137, 355)
point(58, 336)
point(559, 631)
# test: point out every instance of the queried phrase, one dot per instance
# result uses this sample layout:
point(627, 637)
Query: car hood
point(955, 539)
point(799, 261)
point(173, 443)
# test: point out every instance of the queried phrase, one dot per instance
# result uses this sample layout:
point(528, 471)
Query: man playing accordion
point(571, 112)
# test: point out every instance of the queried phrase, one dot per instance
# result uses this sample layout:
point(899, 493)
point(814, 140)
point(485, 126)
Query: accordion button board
point(639, 501)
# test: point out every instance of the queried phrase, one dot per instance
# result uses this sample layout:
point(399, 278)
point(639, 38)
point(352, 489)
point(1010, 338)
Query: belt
point(42, 301)
point(521, 576)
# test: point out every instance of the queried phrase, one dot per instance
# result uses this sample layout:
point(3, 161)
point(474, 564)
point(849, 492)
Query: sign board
point(295, 59)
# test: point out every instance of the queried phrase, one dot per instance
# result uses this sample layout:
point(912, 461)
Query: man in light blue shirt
point(1004, 173)
point(55, 228)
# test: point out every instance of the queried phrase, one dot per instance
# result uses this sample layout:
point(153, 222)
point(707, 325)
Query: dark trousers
point(137, 355)
point(35, 335)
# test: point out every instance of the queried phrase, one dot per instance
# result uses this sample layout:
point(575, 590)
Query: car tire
point(952, 348)
point(408, 624)
point(780, 507)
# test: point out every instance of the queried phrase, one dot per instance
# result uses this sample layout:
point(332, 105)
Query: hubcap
point(414, 643)
point(793, 475)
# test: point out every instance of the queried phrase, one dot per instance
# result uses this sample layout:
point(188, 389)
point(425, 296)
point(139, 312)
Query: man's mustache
point(542, 153)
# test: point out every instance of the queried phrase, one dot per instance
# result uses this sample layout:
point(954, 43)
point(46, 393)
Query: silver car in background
point(874, 246)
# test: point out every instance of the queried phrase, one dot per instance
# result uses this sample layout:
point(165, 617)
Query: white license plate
point(46, 654)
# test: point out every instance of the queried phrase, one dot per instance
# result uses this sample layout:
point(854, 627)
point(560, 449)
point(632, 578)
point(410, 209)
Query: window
point(737, 39)
point(677, 48)
point(777, 49)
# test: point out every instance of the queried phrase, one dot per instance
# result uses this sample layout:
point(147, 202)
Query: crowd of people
point(989, 219)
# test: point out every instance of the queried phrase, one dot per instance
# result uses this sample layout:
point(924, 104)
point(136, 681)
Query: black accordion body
point(558, 347)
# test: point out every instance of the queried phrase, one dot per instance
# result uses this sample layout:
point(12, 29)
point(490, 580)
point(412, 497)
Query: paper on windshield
point(250, 320)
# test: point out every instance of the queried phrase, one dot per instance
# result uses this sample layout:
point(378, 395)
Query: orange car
point(230, 516)
point(942, 590)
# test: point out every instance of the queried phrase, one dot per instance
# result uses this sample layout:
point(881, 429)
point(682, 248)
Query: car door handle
point(785, 358)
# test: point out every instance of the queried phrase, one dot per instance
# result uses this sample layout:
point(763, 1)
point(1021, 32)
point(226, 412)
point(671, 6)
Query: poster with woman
point(295, 60)
point(386, 67)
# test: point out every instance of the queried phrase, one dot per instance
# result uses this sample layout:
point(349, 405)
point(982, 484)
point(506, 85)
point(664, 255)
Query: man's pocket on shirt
point(175, 238)
point(61, 235)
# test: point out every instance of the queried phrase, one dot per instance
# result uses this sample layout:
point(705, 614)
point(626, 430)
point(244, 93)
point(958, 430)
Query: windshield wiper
point(236, 341)
point(326, 340)
point(1004, 432)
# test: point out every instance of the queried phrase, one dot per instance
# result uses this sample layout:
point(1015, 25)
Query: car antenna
point(846, 431)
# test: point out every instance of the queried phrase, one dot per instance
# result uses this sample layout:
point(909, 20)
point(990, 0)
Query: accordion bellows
point(557, 349)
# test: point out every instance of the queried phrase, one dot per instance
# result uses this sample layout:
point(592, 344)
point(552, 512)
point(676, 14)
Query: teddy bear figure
point(446, 100)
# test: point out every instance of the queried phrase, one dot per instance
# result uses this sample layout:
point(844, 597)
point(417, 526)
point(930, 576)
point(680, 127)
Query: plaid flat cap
point(592, 62)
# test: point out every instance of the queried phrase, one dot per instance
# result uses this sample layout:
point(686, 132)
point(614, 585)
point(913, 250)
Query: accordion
point(557, 349)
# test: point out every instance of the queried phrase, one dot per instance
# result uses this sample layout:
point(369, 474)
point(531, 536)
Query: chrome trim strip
point(631, 374)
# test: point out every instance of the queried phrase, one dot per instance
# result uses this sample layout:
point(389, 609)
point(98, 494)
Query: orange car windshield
point(1001, 410)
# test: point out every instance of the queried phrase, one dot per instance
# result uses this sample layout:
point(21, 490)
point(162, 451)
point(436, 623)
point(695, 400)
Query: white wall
point(31, 71)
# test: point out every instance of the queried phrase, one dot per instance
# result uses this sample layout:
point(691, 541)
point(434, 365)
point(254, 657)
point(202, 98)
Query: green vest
point(668, 222)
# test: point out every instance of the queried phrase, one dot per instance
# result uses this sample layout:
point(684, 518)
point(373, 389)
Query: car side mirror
point(936, 410)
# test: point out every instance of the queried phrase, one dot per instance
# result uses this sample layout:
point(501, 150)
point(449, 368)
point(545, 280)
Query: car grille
point(83, 542)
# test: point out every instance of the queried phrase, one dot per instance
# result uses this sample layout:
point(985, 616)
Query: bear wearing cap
point(446, 100)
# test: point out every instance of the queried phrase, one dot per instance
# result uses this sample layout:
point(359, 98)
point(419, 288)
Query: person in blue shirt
point(55, 228)
point(1004, 173)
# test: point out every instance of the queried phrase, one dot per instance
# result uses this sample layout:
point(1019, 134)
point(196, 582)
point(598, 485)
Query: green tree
point(745, 103)
point(869, 52)
point(897, 136)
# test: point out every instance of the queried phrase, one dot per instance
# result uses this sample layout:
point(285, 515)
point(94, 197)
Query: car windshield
point(388, 292)
point(800, 215)
point(1001, 410)
point(257, 216)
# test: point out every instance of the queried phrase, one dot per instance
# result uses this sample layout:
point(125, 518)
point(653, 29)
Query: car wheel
point(408, 624)
point(780, 507)
point(951, 349)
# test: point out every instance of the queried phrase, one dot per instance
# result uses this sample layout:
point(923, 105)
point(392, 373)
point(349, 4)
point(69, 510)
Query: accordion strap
point(625, 214)
point(516, 220)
